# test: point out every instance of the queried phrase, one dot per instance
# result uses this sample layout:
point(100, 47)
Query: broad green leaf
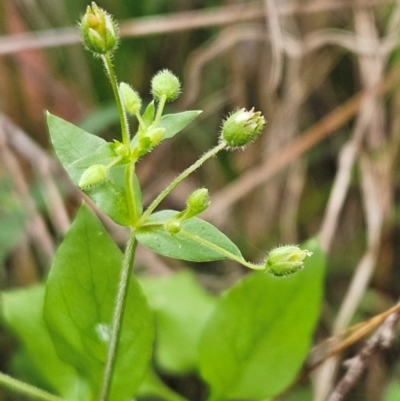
point(77, 151)
point(110, 196)
point(181, 308)
point(102, 155)
point(174, 123)
point(22, 311)
point(80, 297)
point(71, 144)
point(197, 240)
point(259, 334)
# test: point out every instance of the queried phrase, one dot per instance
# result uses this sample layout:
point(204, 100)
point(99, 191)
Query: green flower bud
point(120, 149)
point(173, 226)
point(156, 135)
point(197, 202)
point(165, 83)
point(242, 127)
point(99, 31)
point(286, 260)
point(130, 99)
point(94, 175)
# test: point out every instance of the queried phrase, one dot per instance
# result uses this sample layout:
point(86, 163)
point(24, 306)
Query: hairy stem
point(27, 389)
point(130, 193)
point(212, 152)
point(160, 110)
point(121, 112)
point(118, 315)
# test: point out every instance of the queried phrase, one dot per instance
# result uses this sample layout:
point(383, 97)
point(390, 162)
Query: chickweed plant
point(88, 332)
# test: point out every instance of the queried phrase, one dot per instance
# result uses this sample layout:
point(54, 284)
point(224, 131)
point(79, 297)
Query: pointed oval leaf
point(72, 143)
point(77, 151)
point(175, 123)
point(197, 241)
point(256, 340)
point(80, 298)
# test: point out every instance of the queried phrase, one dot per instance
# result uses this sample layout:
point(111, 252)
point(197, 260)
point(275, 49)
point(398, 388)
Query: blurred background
point(325, 73)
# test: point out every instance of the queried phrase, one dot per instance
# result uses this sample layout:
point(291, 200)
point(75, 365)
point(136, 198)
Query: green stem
point(212, 152)
point(27, 389)
point(217, 248)
point(130, 192)
point(121, 111)
point(160, 109)
point(118, 315)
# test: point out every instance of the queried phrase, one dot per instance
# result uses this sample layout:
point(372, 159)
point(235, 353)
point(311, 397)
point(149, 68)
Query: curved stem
point(212, 152)
point(121, 112)
point(118, 315)
point(27, 389)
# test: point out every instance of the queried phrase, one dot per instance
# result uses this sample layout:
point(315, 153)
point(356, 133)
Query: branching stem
point(211, 153)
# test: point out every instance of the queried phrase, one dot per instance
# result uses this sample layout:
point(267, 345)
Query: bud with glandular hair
point(197, 202)
point(99, 31)
point(286, 260)
point(155, 135)
point(94, 175)
point(242, 127)
point(165, 83)
point(130, 99)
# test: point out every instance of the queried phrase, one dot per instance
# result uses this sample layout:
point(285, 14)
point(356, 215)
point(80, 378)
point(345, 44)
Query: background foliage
point(324, 74)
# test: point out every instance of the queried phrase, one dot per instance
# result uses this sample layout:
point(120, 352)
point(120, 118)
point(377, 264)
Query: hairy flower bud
point(242, 127)
point(165, 83)
point(121, 149)
point(99, 31)
point(156, 135)
point(286, 260)
point(95, 174)
point(130, 99)
point(197, 202)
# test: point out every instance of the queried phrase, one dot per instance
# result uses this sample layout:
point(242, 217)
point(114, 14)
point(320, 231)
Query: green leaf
point(148, 115)
point(181, 308)
point(174, 123)
point(259, 334)
point(77, 151)
point(110, 196)
point(80, 298)
point(72, 144)
point(22, 311)
point(197, 240)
